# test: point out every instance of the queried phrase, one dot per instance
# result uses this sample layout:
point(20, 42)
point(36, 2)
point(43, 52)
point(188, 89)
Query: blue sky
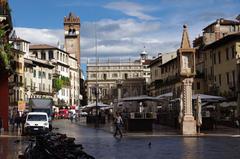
point(122, 27)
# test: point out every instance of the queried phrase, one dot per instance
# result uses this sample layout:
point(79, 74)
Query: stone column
point(188, 122)
point(119, 91)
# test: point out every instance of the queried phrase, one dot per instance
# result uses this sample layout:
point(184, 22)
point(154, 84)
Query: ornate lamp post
point(186, 56)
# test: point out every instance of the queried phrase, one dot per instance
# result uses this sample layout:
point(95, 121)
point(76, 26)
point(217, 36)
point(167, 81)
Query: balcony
point(56, 73)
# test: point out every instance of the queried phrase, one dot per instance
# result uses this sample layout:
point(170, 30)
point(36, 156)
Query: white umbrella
point(139, 98)
point(199, 112)
point(93, 105)
point(181, 110)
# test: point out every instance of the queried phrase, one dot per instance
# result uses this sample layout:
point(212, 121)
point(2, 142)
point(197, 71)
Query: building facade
point(74, 82)
point(104, 76)
point(65, 69)
point(17, 80)
point(157, 72)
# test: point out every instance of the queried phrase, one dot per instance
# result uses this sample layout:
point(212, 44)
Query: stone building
point(17, 80)
point(215, 58)
point(105, 75)
point(65, 69)
point(41, 67)
point(155, 70)
point(221, 74)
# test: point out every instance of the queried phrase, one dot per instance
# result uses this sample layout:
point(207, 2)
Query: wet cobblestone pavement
point(101, 144)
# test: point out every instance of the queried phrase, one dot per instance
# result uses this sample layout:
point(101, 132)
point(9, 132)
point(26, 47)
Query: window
point(43, 55)
point(125, 76)
point(43, 75)
point(115, 75)
point(34, 73)
point(39, 74)
point(104, 76)
point(49, 76)
point(43, 87)
point(227, 75)
point(219, 57)
point(93, 76)
point(220, 79)
point(233, 52)
point(214, 58)
point(21, 79)
point(40, 88)
point(233, 77)
point(50, 54)
point(198, 85)
point(227, 54)
point(17, 95)
point(35, 53)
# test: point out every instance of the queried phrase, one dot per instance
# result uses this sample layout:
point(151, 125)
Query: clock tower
point(72, 35)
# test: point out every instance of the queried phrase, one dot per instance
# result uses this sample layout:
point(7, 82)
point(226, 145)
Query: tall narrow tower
point(72, 35)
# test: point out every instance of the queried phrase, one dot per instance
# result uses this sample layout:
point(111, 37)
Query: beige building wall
point(221, 67)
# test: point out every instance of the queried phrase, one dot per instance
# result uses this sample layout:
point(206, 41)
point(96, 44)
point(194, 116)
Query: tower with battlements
point(72, 35)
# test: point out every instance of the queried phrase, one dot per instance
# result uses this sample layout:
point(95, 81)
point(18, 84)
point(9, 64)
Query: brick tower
point(72, 35)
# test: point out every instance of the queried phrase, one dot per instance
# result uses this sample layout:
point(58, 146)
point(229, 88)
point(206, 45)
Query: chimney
point(217, 30)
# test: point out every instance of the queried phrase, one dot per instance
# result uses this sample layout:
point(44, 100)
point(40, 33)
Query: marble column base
point(189, 126)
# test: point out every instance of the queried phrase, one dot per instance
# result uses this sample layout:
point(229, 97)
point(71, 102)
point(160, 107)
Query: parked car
point(37, 123)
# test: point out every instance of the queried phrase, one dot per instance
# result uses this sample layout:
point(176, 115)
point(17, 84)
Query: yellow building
point(221, 65)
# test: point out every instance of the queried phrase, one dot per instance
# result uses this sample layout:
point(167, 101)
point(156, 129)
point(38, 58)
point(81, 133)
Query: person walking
point(118, 124)
point(23, 120)
point(18, 120)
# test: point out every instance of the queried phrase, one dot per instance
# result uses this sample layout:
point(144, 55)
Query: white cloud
point(131, 9)
point(115, 38)
point(43, 36)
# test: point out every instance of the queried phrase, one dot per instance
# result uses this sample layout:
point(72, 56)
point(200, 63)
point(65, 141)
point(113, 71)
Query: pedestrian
point(118, 122)
point(23, 120)
point(18, 120)
point(71, 117)
point(1, 123)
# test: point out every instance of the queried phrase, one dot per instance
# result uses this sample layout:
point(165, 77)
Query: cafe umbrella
point(199, 112)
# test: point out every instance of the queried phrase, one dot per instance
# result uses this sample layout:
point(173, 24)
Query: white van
point(36, 122)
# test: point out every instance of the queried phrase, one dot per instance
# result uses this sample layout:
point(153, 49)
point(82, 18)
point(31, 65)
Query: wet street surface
point(102, 145)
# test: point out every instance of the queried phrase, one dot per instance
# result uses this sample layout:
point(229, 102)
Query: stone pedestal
point(188, 122)
point(189, 126)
